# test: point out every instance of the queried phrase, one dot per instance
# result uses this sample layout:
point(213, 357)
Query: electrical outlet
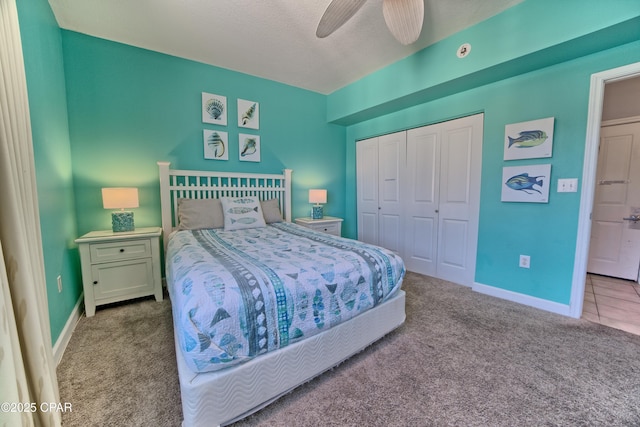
point(59, 283)
point(525, 261)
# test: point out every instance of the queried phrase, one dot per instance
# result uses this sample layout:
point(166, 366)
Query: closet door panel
point(391, 167)
point(421, 202)
point(367, 190)
point(459, 199)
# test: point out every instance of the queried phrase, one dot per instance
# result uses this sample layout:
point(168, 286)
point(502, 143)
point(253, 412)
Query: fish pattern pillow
point(242, 212)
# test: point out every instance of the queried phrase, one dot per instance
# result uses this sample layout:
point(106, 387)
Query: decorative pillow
point(271, 211)
point(194, 214)
point(242, 212)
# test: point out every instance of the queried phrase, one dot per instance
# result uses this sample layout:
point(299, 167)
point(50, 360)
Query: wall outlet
point(525, 261)
point(59, 283)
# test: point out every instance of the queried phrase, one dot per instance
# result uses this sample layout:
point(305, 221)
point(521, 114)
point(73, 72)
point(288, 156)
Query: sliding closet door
point(459, 204)
point(391, 169)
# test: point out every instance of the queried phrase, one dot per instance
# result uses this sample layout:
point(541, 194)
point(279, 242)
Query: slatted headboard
point(176, 184)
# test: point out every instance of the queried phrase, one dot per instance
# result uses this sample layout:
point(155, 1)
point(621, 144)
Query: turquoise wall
point(42, 50)
point(439, 89)
point(103, 113)
point(130, 107)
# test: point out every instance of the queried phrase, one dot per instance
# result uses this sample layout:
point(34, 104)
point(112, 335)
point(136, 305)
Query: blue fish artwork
point(524, 182)
point(528, 139)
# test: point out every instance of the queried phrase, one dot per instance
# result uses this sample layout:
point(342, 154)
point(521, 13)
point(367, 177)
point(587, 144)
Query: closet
point(418, 194)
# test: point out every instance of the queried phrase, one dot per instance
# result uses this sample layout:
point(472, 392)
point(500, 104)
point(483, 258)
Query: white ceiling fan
point(403, 17)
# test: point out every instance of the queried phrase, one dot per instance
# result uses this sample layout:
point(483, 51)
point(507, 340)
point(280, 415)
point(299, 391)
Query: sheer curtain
point(27, 369)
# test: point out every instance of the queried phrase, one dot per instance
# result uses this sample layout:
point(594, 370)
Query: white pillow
point(242, 212)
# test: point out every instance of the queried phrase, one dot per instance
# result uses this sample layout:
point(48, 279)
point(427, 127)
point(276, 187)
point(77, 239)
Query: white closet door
point(391, 168)
point(367, 190)
point(422, 195)
point(459, 204)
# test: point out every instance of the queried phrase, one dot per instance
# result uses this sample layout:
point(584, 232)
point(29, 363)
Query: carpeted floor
point(461, 359)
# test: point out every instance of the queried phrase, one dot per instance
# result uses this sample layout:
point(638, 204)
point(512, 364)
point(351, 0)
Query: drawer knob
point(95, 282)
point(122, 250)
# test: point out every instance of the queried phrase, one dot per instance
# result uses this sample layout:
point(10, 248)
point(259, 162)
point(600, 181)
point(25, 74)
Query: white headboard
point(176, 184)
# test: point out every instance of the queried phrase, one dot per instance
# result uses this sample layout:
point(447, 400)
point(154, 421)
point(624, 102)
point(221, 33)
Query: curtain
point(29, 384)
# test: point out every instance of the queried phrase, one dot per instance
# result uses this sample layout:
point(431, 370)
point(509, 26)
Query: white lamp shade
point(317, 196)
point(120, 198)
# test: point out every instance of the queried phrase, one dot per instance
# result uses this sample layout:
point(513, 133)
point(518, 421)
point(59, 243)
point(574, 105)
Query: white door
point(615, 241)
point(423, 188)
point(443, 199)
point(391, 168)
point(459, 203)
point(367, 190)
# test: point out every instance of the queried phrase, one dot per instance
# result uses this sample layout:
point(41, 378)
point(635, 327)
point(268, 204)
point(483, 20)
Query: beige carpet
point(461, 359)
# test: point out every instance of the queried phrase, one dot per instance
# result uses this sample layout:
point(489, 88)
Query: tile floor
point(612, 302)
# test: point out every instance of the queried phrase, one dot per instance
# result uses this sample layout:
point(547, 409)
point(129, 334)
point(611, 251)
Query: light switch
point(568, 185)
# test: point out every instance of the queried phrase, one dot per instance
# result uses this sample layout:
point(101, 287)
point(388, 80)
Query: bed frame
point(222, 397)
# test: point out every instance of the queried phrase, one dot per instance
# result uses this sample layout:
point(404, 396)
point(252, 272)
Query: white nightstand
point(120, 266)
point(328, 224)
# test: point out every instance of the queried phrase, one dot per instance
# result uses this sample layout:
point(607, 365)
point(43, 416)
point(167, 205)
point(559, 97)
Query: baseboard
point(63, 340)
point(542, 304)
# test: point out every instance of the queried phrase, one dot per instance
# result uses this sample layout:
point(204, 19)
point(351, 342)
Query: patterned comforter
point(239, 294)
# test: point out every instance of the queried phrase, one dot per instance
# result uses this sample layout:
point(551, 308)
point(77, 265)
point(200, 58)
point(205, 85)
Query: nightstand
point(328, 224)
point(120, 266)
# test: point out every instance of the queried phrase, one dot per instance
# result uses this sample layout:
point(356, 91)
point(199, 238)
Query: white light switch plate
point(568, 185)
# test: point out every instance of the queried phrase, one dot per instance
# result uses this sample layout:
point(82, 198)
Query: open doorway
point(594, 122)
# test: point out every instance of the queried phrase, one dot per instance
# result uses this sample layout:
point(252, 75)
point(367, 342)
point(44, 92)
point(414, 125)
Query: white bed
point(226, 395)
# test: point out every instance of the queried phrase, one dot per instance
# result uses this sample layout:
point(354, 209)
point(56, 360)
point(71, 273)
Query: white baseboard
point(542, 304)
point(63, 340)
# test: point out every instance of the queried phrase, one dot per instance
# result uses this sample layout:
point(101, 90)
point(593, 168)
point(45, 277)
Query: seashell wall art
point(214, 109)
point(216, 145)
point(249, 146)
point(248, 114)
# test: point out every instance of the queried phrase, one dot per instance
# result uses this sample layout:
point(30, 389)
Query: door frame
point(594, 121)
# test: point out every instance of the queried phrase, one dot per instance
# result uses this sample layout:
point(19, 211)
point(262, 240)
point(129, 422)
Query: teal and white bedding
point(239, 294)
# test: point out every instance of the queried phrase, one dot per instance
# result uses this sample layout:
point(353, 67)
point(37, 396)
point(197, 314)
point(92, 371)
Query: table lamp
point(317, 197)
point(120, 198)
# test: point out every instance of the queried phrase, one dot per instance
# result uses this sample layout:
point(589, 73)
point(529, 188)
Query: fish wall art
point(216, 144)
point(214, 109)
point(249, 146)
point(248, 114)
point(529, 140)
point(526, 183)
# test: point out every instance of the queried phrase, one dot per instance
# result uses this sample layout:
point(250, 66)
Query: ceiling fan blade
point(404, 19)
point(338, 12)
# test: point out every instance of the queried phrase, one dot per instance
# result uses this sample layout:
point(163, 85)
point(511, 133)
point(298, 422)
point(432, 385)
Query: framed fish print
point(526, 183)
point(248, 114)
point(249, 147)
point(214, 109)
point(216, 145)
point(529, 140)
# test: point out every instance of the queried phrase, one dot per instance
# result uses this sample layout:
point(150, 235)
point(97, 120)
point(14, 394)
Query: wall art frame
point(528, 184)
point(529, 140)
point(249, 147)
point(216, 144)
point(214, 109)
point(248, 114)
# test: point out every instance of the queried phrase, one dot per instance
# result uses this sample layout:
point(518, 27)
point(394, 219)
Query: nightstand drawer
point(327, 228)
point(103, 252)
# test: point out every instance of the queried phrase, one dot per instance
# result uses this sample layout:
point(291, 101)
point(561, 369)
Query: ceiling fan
point(403, 17)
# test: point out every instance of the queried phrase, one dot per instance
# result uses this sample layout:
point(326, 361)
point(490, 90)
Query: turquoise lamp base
point(316, 212)
point(122, 221)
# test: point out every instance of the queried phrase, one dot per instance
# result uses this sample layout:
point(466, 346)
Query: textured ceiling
point(272, 39)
